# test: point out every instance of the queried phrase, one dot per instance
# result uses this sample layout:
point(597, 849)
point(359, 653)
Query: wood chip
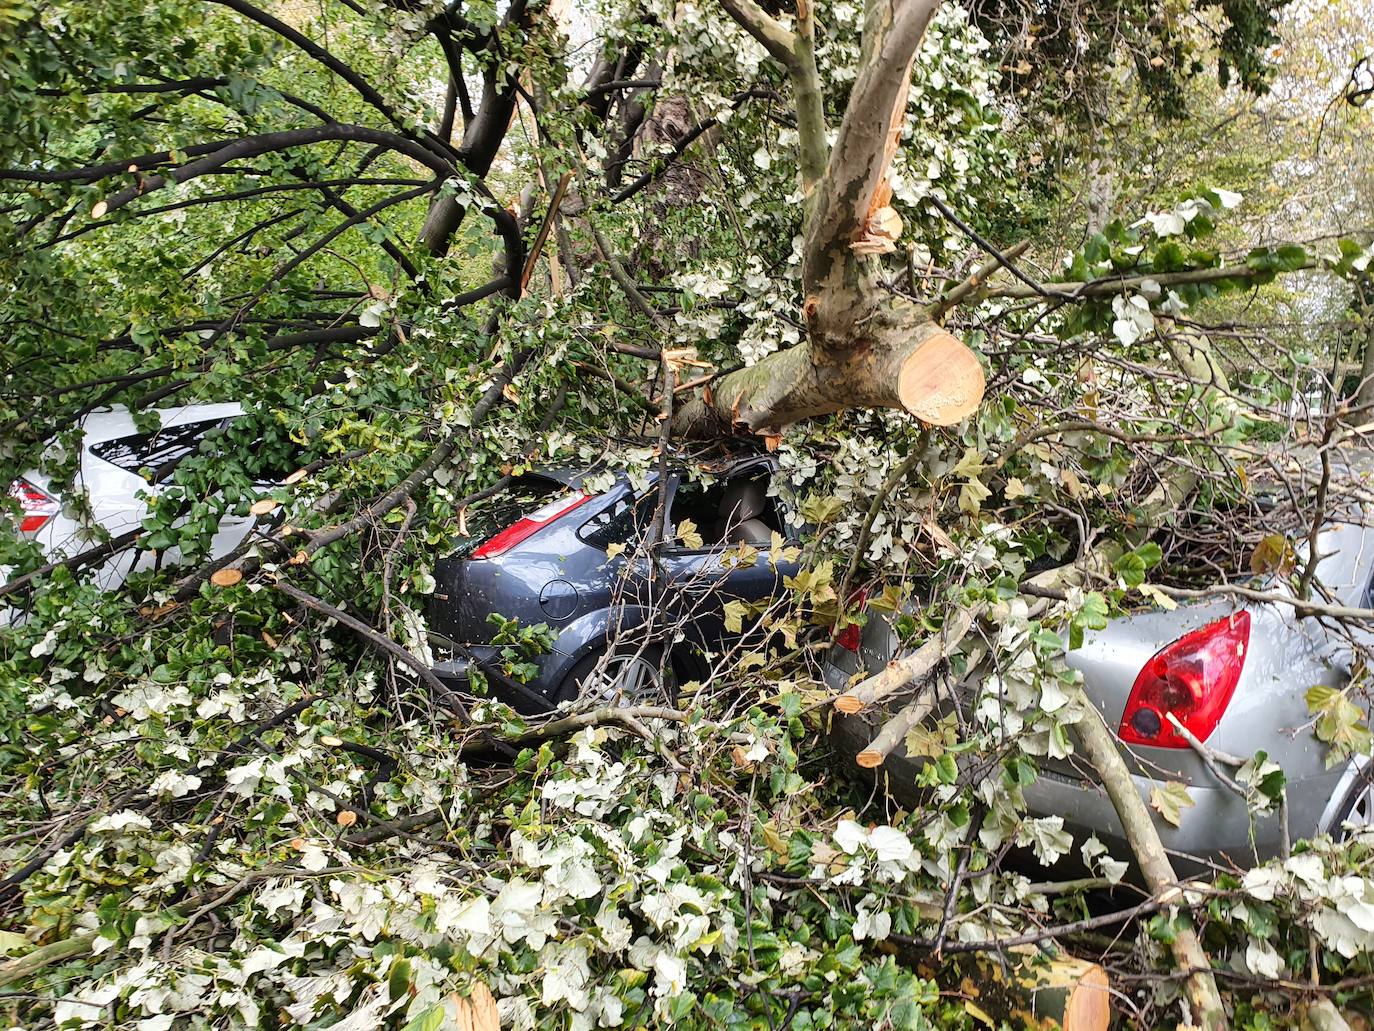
point(226, 577)
point(295, 477)
point(347, 818)
point(263, 506)
point(332, 742)
point(478, 1011)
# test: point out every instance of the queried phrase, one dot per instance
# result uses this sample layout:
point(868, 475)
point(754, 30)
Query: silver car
point(1237, 674)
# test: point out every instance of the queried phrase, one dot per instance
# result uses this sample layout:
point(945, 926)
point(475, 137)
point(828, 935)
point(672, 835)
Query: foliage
point(254, 817)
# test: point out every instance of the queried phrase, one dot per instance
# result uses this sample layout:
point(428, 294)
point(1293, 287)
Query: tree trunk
point(865, 347)
point(1099, 745)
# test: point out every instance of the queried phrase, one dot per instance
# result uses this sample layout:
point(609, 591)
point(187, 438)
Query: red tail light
point(38, 508)
point(852, 636)
point(1194, 678)
point(535, 521)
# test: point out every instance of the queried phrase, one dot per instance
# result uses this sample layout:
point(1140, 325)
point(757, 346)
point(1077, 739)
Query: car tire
point(1356, 805)
point(627, 676)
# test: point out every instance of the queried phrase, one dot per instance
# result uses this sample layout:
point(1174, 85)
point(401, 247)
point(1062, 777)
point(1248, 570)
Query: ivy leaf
point(1170, 801)
point(1290, 257)
point(1091, 615)
point(1130, 569)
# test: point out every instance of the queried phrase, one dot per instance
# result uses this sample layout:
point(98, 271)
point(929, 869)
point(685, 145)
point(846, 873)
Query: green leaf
point(1130, 569)
point(398, 982)
point(1162, 928)
point(431, 1019)
point(1290, 257)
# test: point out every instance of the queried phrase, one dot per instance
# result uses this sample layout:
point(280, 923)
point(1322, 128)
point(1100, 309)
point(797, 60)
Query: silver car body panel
point(1286, 656)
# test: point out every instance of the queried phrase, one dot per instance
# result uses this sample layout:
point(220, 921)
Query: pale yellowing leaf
point(972, 495)
point(330, 741)
point(735, 611)
point(774, 840)
point(1170, 801)
point(1158, 597)
point(688, 533)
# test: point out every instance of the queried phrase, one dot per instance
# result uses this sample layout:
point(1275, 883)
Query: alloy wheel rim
point(1361, 812)
point(623, 680)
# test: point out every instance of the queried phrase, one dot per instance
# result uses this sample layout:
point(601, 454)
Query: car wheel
point(1356, 808)
point(625, 676)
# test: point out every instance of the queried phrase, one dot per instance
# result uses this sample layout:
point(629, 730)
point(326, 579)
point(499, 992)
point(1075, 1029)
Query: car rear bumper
point(1217, 829)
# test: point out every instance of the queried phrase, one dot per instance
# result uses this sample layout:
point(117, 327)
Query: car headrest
point(743, 499)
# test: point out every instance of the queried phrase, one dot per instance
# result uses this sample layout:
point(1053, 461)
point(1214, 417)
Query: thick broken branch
point(918, 368)
point(895, 730)
point(901, 672)
point(382, 643)
point(1100, 747)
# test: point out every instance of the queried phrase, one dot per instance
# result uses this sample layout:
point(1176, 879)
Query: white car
point(113, 451)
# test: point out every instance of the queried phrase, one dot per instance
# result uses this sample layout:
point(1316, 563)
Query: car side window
point(159, 451)
point(623, 522)
point(730, 511)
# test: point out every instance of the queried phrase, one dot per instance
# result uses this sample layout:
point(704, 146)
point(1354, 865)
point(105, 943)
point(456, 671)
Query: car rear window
point(159, 451)
point(523, 496)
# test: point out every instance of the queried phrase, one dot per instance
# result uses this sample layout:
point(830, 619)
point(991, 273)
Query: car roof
point(117, 421)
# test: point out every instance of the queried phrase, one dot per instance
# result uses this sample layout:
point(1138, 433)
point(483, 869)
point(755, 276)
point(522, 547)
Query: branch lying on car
point(901, 672)
point(895, 730)
point(1212, 757)
point(381, 642)
point(1302, 606)
point(1100, 746)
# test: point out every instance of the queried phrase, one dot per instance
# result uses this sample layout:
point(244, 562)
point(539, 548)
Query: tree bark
point(1099, 745)
point(865, 347)
point(1364, 393)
